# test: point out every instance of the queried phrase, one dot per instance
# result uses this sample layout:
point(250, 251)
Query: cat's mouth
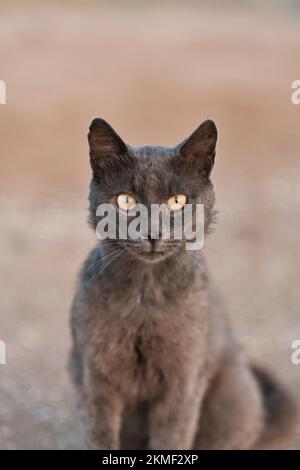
point(151, 253)
point(151, 256)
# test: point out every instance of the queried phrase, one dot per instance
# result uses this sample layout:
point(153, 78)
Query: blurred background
point(154, 70)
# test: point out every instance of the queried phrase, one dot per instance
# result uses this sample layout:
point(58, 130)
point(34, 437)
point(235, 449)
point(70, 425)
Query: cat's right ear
point(199, 149)
point(105, 144)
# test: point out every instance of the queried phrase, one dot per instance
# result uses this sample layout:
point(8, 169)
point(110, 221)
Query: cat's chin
point(150, 257)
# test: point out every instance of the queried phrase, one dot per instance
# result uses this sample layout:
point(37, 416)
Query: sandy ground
point(154, 73)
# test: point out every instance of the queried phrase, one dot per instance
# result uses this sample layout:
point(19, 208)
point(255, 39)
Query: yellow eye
point(176, 202)
point(126, 202)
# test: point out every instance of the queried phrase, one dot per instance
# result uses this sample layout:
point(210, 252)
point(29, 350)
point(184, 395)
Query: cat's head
point(124, 176)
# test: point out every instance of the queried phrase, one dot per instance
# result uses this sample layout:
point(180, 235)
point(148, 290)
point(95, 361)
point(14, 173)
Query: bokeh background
point(154, 70)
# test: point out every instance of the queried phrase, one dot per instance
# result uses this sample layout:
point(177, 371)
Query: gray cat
point(154, 361)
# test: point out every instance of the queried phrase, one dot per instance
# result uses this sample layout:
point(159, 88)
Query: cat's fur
point(154, 360)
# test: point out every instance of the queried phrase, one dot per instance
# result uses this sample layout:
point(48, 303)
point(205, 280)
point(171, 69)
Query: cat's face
point(125, 177)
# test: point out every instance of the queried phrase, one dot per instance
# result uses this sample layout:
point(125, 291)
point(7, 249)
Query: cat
point(154, 361)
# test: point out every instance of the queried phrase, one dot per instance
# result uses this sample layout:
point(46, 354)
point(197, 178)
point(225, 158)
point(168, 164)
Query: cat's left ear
point(105, 144)
point(200, 148)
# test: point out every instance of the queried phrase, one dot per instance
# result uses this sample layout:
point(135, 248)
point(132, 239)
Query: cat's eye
point(126, 202)
point(176, 202)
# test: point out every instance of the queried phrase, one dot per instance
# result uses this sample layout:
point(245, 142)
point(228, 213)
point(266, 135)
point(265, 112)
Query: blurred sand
point(155, 74)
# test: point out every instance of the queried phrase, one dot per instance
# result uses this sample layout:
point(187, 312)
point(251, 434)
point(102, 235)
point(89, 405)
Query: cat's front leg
point(173, 420)
point(101, 411)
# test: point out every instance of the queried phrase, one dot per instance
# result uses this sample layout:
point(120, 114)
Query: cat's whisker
point(199, 265)
point(109, 255)
point(108, 262)
point(101, 259)
point(102, 262)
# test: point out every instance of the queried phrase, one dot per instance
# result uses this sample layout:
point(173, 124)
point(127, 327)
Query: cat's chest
point(144, 295)
point(146, 331)
point(143, 357)
point(149, 337)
